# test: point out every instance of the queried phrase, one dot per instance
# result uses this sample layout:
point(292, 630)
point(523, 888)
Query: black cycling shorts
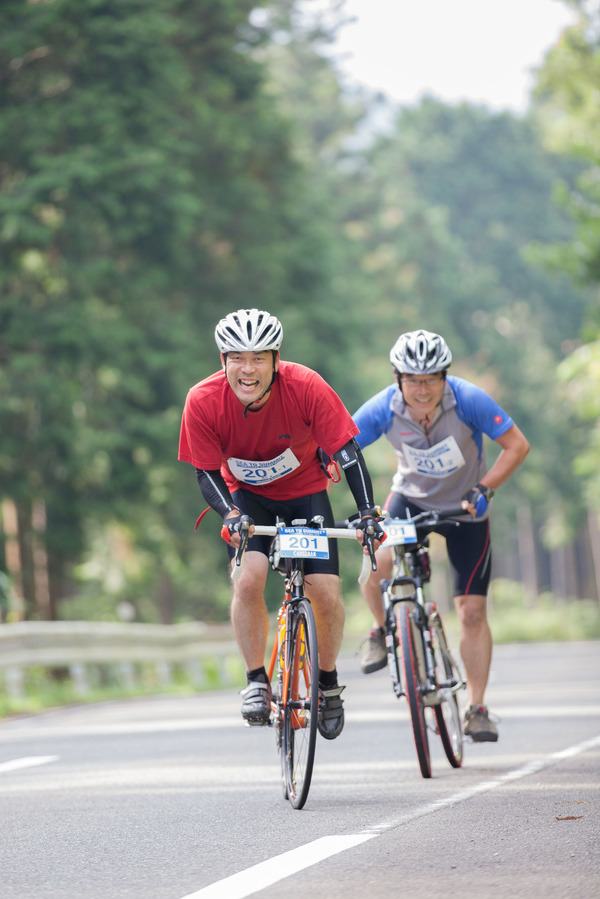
point(263, 510)
point(467, 544)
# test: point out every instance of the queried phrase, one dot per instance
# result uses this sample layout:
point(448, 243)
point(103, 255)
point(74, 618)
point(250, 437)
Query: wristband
point(375, 513)
point(488, 492)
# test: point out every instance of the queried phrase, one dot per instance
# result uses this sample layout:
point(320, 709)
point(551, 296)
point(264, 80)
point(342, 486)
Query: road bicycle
point(420, 662)
point(294, 666)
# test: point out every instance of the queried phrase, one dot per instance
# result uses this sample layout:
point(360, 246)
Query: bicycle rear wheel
point(447, 713)
point(411, 647)
point(301, 706)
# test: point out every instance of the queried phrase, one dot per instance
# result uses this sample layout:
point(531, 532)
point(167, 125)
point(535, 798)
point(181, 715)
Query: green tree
point(566, 96)
point(147, 186)
point(566, 106)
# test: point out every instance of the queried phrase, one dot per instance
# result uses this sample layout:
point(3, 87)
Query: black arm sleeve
point(215, 491)
point(352, 463)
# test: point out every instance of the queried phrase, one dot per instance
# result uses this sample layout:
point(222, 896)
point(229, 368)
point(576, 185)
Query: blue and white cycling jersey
point(435, 469)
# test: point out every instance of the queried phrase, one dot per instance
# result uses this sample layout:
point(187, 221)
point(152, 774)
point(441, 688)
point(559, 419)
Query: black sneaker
point(256, 704)
point(478, 725)
point(374, 655)
point(331, 712)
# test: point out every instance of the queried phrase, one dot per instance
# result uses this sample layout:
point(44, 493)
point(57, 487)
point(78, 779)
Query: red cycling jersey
point(272, 451)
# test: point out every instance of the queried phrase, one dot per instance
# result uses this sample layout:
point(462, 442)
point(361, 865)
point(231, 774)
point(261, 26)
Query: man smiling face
point(250, 375)
point(422, 394)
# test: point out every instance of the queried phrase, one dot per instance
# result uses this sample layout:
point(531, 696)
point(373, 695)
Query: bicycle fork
point(420, 617)
point(282, 651)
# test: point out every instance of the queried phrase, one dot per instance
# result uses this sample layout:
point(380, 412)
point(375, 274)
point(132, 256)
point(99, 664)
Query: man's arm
point(351, 461)
point(215, 491)
point(217, 495)
point(515, 447)
point(374, 417)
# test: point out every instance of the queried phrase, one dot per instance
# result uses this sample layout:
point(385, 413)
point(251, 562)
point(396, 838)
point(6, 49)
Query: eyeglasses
point(415, 382)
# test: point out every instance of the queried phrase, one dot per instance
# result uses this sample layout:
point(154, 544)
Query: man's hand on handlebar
point(236, 527)
point(370, 534)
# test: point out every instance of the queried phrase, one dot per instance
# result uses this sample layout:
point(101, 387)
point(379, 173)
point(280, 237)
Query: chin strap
point(253, 403)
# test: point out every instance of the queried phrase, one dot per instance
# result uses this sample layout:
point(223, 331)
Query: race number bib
point(437, 461)
point(263, 472)
point(399, 532)
point(303, 543)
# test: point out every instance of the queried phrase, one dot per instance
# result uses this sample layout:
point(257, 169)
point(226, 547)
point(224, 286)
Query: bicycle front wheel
point(448, 677)
point(301, 705)
point(411, 647)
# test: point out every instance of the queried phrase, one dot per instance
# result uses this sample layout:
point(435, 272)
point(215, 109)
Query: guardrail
point(82, 649)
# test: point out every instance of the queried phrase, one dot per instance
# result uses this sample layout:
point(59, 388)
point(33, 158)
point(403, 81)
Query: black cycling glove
point(373, 519)
point(235, 525)
point(479, 496)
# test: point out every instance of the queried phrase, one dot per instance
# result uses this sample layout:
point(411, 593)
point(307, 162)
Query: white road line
point(529, 768)
point(247, 882)
point(274, 869)
point(27, 762)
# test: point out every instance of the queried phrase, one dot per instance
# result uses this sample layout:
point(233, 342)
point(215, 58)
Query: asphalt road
point(170, 798)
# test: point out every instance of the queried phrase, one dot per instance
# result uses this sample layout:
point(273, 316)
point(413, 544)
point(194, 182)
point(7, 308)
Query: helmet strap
point(268, 390)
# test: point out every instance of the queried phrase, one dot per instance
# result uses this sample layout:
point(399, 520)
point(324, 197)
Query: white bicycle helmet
point(248, 330)
point(420, 353)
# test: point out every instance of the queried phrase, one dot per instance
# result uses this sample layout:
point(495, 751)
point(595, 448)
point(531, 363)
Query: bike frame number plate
point(399, 532)
point(303, 543)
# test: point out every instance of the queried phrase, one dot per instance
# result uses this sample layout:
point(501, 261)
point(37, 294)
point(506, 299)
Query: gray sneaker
point(478, 725)
point(374, 654)
point(256, 703)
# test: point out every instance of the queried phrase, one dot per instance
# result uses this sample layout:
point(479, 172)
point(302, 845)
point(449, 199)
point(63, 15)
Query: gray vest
point(437, 469)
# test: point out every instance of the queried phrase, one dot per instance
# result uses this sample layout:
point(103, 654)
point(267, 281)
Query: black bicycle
point(420, 662)
point(294, 659)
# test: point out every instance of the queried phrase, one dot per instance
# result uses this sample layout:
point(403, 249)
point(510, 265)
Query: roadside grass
point(512, 619)
point(46, 689)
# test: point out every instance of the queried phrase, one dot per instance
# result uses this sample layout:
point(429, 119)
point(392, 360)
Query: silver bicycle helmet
point(420, 353)
point(248, 330)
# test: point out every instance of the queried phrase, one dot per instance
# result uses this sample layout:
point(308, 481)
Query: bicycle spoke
point(301, 707)
point(447, 713)
point(411, 649)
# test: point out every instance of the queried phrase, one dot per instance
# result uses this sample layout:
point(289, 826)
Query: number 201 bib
point(263, 472)
point(438, 461)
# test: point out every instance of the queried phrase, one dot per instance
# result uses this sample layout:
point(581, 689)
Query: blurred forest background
point(164, 162)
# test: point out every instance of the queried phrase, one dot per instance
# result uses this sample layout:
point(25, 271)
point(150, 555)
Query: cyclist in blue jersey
point(435, 423)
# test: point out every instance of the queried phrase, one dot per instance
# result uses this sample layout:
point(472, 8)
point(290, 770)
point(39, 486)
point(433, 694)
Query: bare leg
point(371, 591)
point(323, 590)
point(249, 615)
point(475, 644)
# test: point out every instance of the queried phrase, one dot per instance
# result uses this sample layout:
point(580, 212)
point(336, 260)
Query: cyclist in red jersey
point(254, 432)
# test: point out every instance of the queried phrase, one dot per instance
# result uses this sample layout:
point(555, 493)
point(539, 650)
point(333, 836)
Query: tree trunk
point(40, 562)
point(527, 556)
point(14, 568)
point(594, 535)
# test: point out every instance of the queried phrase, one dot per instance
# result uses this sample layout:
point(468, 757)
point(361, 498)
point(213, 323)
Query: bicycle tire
point(277, 709)
point(447, 713)
point(409, 634)
point(301, 707)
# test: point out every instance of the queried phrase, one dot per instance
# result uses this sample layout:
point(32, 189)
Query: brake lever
point(369, 540)
point(242, 547)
